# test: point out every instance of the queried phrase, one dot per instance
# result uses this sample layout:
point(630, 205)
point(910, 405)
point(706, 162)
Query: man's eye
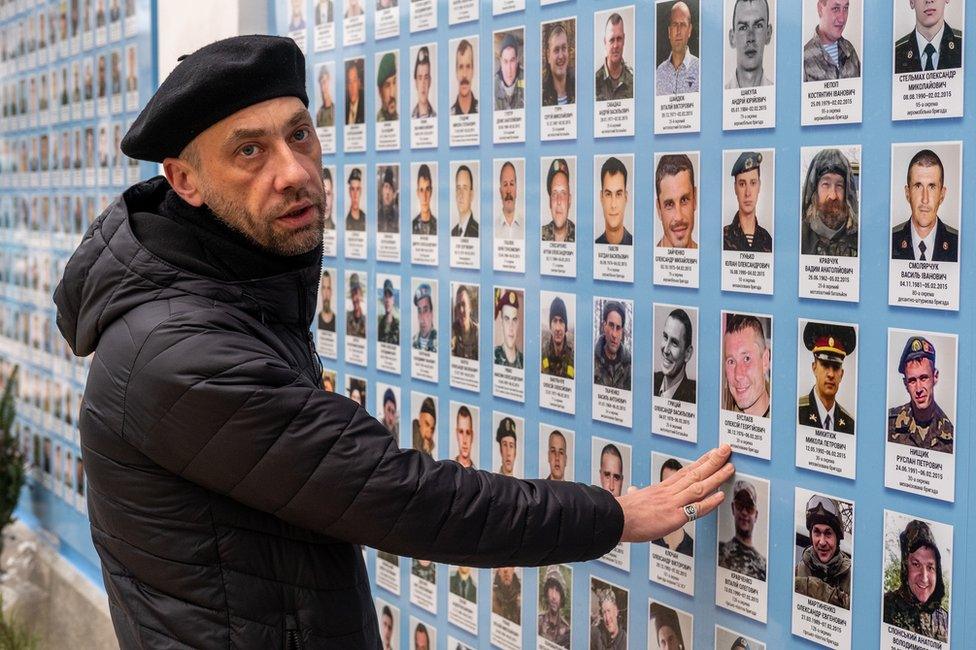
point(249, 150)
point(301, 134)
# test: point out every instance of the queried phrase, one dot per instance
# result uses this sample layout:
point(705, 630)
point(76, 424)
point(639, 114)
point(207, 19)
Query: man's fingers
point(708, 465)
point(707, 485)
point(709, 503)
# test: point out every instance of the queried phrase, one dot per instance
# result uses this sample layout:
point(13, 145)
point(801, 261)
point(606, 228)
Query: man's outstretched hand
point(653, 512)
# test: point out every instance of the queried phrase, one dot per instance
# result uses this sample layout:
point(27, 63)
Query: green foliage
point(14, 636)
point(11, 457)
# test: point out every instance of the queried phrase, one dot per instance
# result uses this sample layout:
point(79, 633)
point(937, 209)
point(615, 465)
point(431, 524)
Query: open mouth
point(299, 217)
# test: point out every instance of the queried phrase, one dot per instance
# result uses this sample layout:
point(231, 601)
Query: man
point(925, 236)
point(749, 34)
point(607, 634)
point(508, 225)
point(388, 327)
point(297, 21)
point(916, 605)
point(613, 200)
point(388, 215)
point(667, 629)
point(560, 228)
point(557, 456)
point(421, 81)
point(679, 540)
point(421, 638)
point(740, 643)
point(611, 358)
point(921, 422)
point(745, 233)
point(425, 570)
point(738, 554)
point(426, 336)
point(557, 355)
point(552, 625)
point(462, 584)
point(464, 432)
point(386, 627)
point(614, 79)
point(829, 208)
point(328, 195)
point(357, 391)
point(830, 345)
point(672, 380)
point(932, 45)
point(356, 318)
point(507, 312)
point(391, 416)
point(824, 571)
point(465, 103)
point(354, 8)
point(676, 201)
point(467, 225)
point(506, 595)
point(355, 217)
point(558, 72)
point(611, 469)
point(679, 72)
point(828, 55)
point(325, 116)
point(327, 319)
point(355, 95)
point(425, 427)
point(747, 362)
point(507, 438)
point(323, 12)
point(386, 84)
point(235, 369)
point(425, 223)
point(464, 331)
point(509, 81)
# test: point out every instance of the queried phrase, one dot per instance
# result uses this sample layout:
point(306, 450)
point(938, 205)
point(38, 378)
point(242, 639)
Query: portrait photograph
point(465, 186)
point(464, 440)
point(423, 423)
point(826, 371)
point(356, 390)
point(508, 78)
point(748, 200)
point(832, 39)
point(508, 214)
point(555, 606)
point(743, 527)
point(423, 207)
point(682, 540)
point(669, 627)
point(423, 89)
point(508, 445)
point(830, 201)
point(389, 619)
point(557, 338)
point(388, 198)
point(750, 48)
point(928, 35)
point(556, 452)
point(608, 614)
point(387, 296)
point(465, 320)
point(388, 408)
point(823, 557)
point(423, 636)
point(675, 361)
point(423, 316)
point(614, 53)
point(355, 91)
point(613, 323)
point(726, 639)
point(611, 465)
point(355, 304)
point(558, 57)
point(557, 206)
point(747, 363)
point(508, 332)
point(387, 86)
point(677, 50)
point(463, 89)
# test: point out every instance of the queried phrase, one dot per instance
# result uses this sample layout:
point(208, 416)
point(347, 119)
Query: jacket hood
point(112, 272)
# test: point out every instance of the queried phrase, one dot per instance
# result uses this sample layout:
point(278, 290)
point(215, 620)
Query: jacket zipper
point(293, 638)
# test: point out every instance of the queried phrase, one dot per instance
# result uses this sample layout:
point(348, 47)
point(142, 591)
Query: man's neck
point(464, 102)
point(677, 58)
point(924, 415)
point(923, 233)
point(510, 353)
point(928, 33)
point(827, 402)
point(560, 232)
point(509, 217)
point(423, 107)
point(675, 380)
point(614, 71)
point(606, 352)
point(558, 348)
point(674, 538)
point(824, 39)
point(745, 540)
point(749, 78)
point(355, 213)
point(747, 222)
point(559, 85)
point(425, 215)
point(760, 406)
point(615, 236)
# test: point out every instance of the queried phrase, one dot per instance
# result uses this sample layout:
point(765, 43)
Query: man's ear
point(183, 179)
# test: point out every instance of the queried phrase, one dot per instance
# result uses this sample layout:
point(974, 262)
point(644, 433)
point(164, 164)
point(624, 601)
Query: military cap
point(387, 68)
point(740, 644)
point(746, 162)
point(558, 308)
point(354, 175)
point(427, 406)
point(388, 177)
point(828, 342)
point(423, 291)
point(916, 535)
point(505, 298)
point(387, 286)
point(554, 579)
point(740, 487)
point(388, 396)
point(824, 510)
point(916, 347)
point(509, 42)
point(354, 283)
point(506, 429)
point(557, 166)
point(211, 84)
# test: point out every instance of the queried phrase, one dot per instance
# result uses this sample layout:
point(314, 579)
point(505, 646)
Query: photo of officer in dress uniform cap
point(830, 345)
point(388, 215)
point(557, 350)
point(355, 217)
point(464, 325)
point(933, 44)
point(388, 326)
point(356, 319)
point(920, 422)
point(744, 232)
point(510, 77)
point(507, 352)
point(386, 85)
point(925, 236)
point(559, 189)
point(830, 206)
point(738, 554)
point(916, 605)
point(426, 337)
point(828, 55)
point(824, 570)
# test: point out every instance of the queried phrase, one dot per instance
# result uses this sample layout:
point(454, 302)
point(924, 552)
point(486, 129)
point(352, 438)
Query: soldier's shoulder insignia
point(804, 401)
point(545, 363)
point(570, 372)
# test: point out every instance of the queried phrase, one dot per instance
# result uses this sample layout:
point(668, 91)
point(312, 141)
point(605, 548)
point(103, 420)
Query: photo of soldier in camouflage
point(917, 602)
point(506, 594)
point(740, 554)
point(558, 358)
point(920, 422)
point(555, 604)
point(611, 349)
point(824, 570)
point(464, 324)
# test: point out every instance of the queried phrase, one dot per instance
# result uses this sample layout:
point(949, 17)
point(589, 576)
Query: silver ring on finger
point(691, 511)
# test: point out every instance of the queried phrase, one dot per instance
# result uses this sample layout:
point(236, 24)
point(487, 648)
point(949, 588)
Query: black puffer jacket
point(228, 493)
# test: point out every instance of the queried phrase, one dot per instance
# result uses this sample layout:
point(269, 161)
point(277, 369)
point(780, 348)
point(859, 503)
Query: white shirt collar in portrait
point(504, 230)
point(928, 239)
point(823, 412)
point(936, 42)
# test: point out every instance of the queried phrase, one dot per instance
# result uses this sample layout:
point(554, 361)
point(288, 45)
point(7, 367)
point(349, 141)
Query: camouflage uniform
point(388, 334)
point(506, 600)
point(389, 558)
point(616, 373)
point(734, 239)
point(429, 343)
point(608, 88)
point(557, 630)
point(388, 218)
point(736, 556)
point(549, 231)
point(817, 66)
point(829, 583)
point(428, 573)
point(502, 360)
point(936, 434)
point(420, 227)
point(356, 326)
point(842, 244)
point(901, 608)
point(560, 365)
point(464, 345)
point(504, 101)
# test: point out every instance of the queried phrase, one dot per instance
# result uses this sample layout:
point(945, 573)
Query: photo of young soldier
point(614, 81)
point(389, 620)
point(508, 452)
point(423, 96)
point(669, 628)
point(672, 557)
point(555, 604)
point(556, 447)
point(465, 423)
point(726, 639)
point(743, 547)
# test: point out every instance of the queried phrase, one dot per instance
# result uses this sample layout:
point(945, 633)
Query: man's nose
point(289, 172)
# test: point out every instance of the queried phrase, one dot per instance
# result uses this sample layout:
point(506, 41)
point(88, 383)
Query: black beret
point(215, 82)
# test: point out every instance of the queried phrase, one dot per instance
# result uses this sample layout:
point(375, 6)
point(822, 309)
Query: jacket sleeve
point(221, 409)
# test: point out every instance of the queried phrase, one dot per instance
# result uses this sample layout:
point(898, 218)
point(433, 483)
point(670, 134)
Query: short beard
point(261, 229)
point(833, 213)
